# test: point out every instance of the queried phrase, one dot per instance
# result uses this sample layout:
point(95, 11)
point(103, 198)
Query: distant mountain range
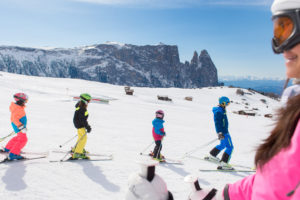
point(114, 63)
point(126, 64)
point(269, 85)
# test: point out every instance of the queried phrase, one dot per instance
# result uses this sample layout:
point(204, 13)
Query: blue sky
point(236, 33)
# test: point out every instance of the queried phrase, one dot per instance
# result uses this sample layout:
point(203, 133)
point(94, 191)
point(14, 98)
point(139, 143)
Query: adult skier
point(18, 122)
point(80, 122)
point(146, 185)
point(277, 159)
point(221, 126)
point(158, 134)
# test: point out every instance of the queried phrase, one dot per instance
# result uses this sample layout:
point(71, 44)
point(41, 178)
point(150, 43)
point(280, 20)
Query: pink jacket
point(277, 178)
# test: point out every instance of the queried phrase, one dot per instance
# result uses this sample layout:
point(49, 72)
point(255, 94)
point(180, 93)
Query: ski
point(88, 154)
point(3, 138)
point(226, 170)
point(81, 160)
point(166, 160)
point(216, 162)
point(6, 160)
point(26, 152)
point(173, 162)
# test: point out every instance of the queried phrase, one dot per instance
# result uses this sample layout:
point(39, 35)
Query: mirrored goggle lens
point(283, 29)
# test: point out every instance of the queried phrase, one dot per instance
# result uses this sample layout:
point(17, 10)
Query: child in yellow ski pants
point(80, 122)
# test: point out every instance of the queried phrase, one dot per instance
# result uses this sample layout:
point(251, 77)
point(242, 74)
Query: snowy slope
point(123, 127)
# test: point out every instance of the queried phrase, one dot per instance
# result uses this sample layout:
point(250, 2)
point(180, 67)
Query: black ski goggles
point(286, 30)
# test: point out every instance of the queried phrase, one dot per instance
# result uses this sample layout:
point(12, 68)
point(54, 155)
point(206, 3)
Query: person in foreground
point(277, 159)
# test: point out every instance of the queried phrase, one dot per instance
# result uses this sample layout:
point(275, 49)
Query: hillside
point(122, 127)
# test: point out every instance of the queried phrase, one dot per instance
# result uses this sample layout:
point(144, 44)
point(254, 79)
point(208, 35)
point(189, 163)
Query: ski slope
point(122, 127)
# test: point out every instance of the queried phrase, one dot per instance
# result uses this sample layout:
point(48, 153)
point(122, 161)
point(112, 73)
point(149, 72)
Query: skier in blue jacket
point(221, 125)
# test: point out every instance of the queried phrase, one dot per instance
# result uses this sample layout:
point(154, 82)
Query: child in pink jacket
point(278, 158)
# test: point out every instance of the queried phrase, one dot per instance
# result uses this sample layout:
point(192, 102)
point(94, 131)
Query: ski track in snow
point(123, 127)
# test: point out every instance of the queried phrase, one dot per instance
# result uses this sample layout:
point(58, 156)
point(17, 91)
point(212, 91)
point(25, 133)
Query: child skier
point(221, 125)
point(80, 122)
point(158, 134)
point(18, 122)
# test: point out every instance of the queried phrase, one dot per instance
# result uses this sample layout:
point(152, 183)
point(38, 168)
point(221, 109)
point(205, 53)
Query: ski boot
point(13, 156)
point(212, 158)
point(152, 154)
point(225, 166)
point(161, 160)
point(5, 150)
point(77, 156)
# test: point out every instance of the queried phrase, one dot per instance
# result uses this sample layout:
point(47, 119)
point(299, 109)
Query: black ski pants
point(157, 149)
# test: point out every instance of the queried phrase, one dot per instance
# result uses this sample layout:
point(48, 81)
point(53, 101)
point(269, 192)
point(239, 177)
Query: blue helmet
point(224, 101)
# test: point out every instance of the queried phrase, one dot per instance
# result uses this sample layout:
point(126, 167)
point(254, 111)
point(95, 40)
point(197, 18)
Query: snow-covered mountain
point(114, 63)
point(122, 127)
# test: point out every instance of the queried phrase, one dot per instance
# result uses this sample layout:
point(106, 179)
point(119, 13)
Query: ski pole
point(12, 133)
point(3, 138)
point(199, 147)
point(61, 145)
point(146, 148)
point(74, 146)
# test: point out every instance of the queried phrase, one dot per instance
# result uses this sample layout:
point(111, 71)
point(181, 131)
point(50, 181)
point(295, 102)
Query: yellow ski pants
point(81, 141)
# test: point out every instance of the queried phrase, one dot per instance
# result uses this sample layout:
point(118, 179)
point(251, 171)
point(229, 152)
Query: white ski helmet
point(286, 19)
point(279, 5)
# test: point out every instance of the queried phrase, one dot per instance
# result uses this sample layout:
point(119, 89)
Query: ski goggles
point(286, 30)
point(226, 103)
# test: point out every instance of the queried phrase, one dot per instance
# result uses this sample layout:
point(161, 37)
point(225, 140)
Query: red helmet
point(159, 114)
point(21, 97)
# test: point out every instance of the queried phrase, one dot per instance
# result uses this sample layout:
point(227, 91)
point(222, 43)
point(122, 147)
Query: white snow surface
point(123, 127)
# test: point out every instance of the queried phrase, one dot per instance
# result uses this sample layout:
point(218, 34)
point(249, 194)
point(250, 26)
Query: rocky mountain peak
point(195, 59)
point(114, 63)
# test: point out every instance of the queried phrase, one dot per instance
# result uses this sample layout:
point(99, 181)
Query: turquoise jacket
point(158, 126)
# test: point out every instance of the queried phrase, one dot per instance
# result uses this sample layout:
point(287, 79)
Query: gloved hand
point(221, 136)
point(88, 128)
point(199, 193)
point(22, 128)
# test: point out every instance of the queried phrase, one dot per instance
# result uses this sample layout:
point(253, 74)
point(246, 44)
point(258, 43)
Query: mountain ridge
point(114, 63)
